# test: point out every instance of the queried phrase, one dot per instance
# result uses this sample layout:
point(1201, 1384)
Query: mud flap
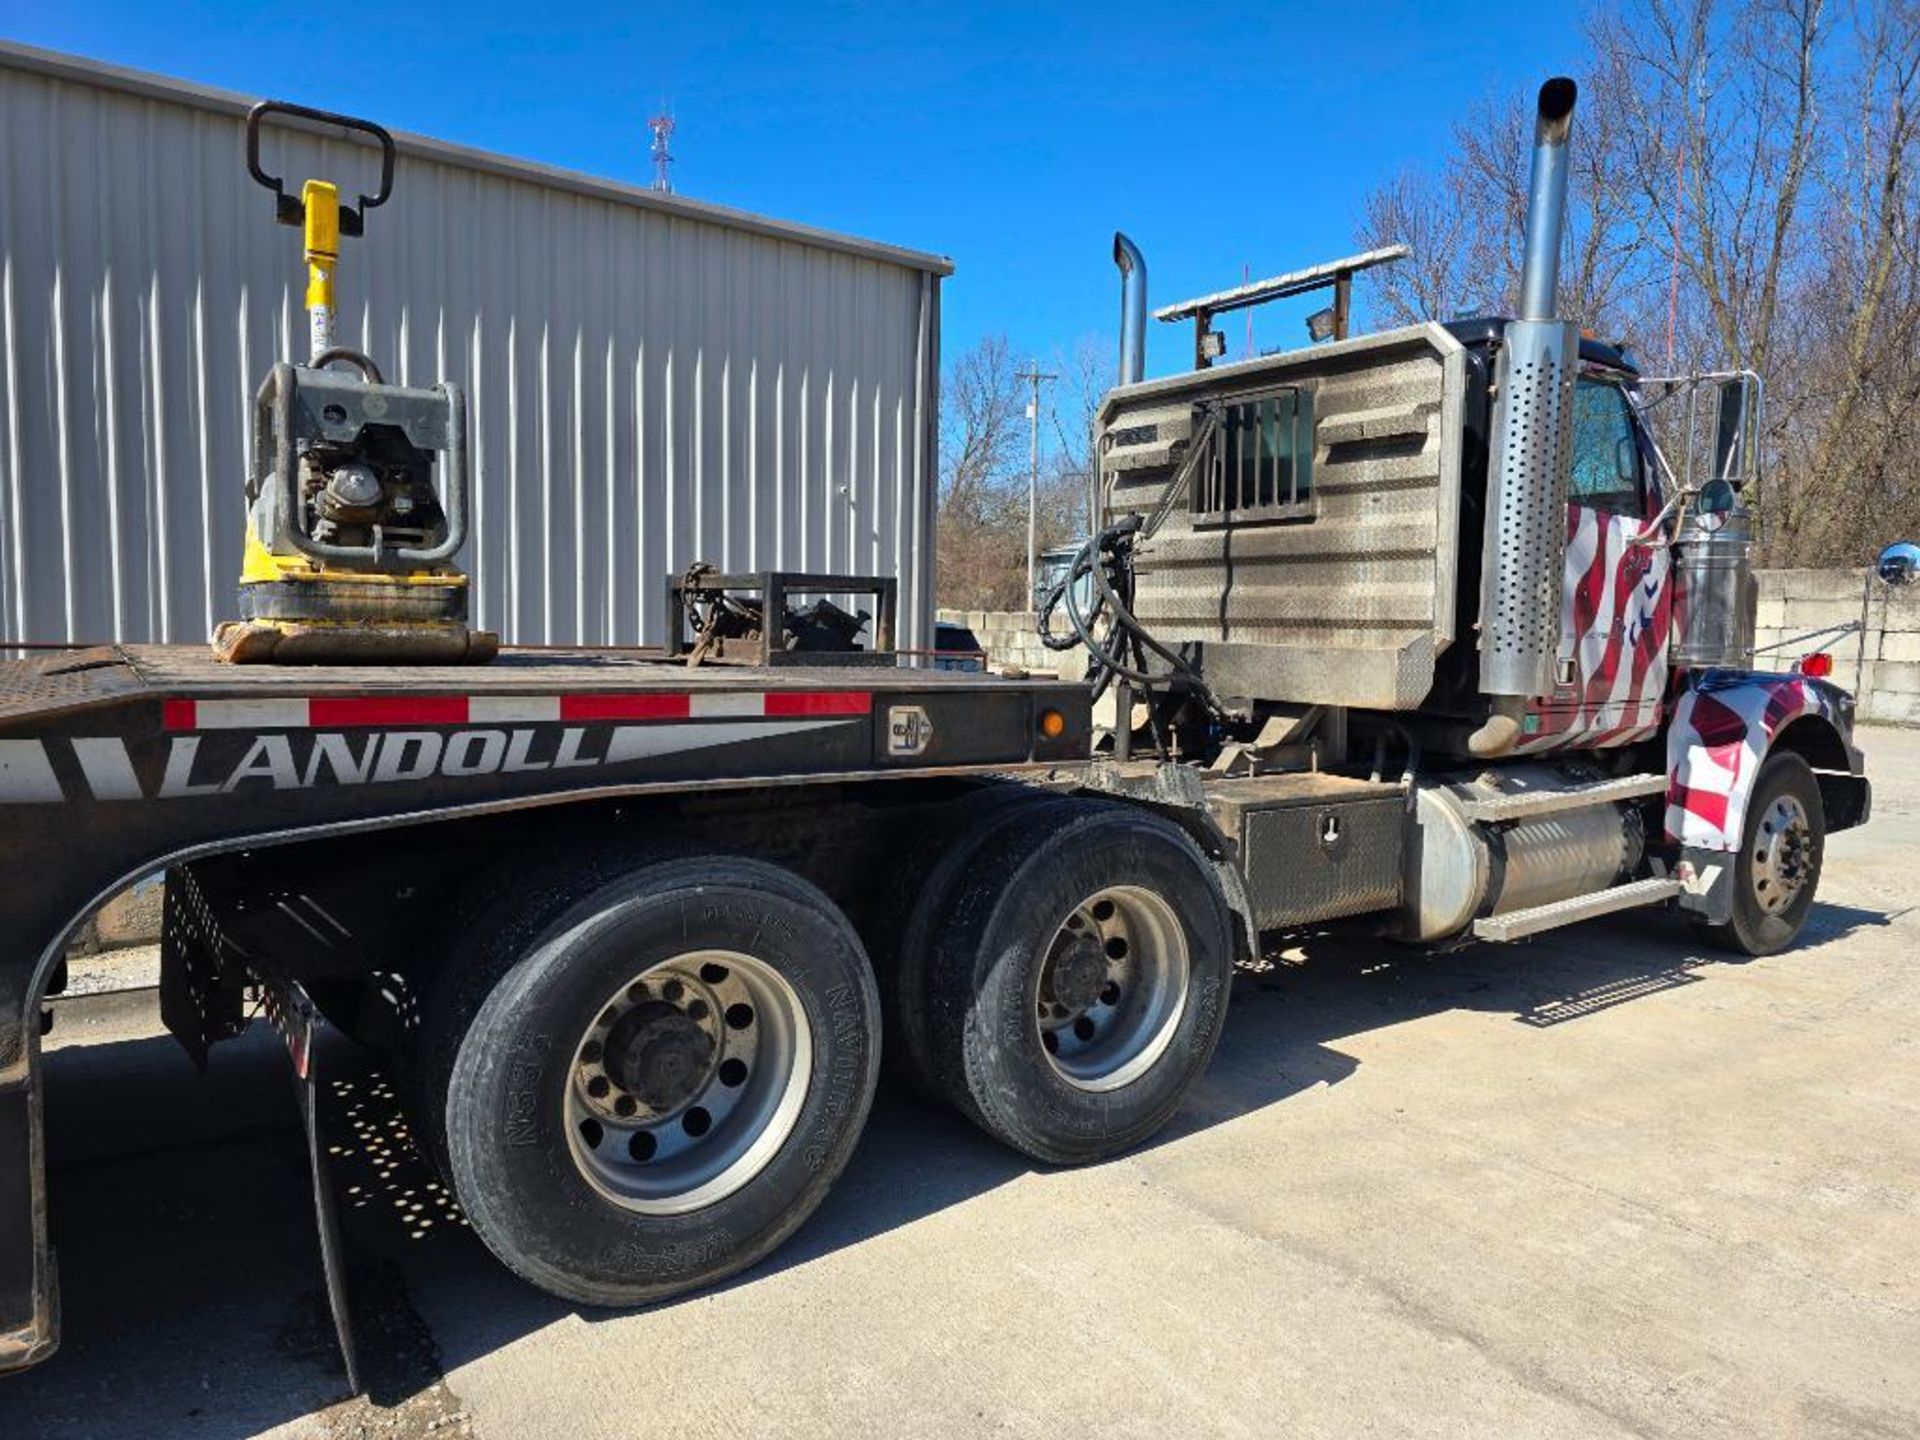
point(295, 1017)
point(1707, 880)
point(202, 971)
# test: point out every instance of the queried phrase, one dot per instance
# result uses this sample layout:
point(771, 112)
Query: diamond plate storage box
point(1311, 862)
point(1314, 846)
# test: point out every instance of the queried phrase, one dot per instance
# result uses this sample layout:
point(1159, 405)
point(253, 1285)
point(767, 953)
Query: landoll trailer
point(1419, 633)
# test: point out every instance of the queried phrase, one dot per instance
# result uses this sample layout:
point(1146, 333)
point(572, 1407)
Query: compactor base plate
point(346, 642)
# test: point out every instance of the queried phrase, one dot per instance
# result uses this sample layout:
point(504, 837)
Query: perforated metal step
point(1518, 924)
point(1524, 804)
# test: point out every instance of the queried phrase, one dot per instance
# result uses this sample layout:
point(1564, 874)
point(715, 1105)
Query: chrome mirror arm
point(1654, 532)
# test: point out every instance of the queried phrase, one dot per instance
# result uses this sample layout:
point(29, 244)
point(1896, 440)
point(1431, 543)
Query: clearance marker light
point(1052, 724)
point(1818, 665)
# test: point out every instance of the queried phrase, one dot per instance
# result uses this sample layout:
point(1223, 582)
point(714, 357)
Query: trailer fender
point(1724, 727)
point(1239, 902)
point(1175, 792)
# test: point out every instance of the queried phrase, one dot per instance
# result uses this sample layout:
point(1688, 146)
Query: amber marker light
point(1052, 724)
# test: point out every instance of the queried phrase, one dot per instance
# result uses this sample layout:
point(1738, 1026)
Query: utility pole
point(1033, 375)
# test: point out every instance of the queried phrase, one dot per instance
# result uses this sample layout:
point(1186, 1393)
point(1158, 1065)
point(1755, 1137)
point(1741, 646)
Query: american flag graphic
point(1616, 613)
point(1722, 729)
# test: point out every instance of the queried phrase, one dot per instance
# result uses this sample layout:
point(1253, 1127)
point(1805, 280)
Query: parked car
point(958, 647)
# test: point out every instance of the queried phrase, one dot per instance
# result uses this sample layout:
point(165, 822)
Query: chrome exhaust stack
point(1547, 201)
point(1526, 511)
point(1133, 309)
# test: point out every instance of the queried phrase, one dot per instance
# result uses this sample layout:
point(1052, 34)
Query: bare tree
point(984, 468)
point(1466, 225)
point(1428, 215)
point(983, 453)
point(1087, 372)
point(1745, 195)
point(1873, 351)
point(980, 429)
point(1724, 108)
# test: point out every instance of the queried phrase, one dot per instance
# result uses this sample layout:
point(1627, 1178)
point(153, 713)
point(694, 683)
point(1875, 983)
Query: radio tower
point(662, 127)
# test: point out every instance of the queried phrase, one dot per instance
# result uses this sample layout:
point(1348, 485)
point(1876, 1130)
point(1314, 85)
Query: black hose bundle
point(1106, 560)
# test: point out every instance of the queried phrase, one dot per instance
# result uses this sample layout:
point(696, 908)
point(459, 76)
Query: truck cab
point(1460, 552)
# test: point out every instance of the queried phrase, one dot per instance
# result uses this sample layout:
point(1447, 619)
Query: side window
point(1606, 453)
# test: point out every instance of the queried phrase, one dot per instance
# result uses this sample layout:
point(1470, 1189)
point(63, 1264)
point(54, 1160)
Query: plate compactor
point(349, 545)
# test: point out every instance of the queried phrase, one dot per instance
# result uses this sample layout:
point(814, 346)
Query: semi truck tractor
point(1416, 633)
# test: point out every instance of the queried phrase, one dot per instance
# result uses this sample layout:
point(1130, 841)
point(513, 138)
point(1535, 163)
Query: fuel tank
point(1459, 868)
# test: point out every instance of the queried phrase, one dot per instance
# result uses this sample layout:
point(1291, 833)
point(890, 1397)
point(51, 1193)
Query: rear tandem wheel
point(1076, 984)
point(660, 1085)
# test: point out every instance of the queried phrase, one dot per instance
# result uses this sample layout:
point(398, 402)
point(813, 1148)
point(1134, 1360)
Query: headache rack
point(1209, 345)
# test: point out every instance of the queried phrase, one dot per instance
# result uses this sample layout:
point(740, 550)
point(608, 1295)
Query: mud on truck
point(1416, 632)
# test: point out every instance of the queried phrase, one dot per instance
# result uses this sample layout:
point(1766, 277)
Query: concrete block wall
point(1880, 663)
point(1011, 643)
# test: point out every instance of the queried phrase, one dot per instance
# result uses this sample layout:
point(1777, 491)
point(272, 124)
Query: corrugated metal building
point(653, 380)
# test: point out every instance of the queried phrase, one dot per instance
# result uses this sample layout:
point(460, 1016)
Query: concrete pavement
point(1600, 1184)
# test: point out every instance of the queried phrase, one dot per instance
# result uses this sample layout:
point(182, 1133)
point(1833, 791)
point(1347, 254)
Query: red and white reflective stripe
point(347, 712)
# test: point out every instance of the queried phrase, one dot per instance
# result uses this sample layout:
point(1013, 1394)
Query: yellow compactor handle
point(318, 210)
point(321, 201)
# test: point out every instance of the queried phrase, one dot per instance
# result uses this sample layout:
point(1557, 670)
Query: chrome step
point(1525, 804)
point(1518, 924)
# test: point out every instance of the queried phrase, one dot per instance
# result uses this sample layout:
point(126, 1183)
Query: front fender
point(1722, 730)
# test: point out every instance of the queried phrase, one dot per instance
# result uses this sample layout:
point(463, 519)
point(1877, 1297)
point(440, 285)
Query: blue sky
point(1013, 138)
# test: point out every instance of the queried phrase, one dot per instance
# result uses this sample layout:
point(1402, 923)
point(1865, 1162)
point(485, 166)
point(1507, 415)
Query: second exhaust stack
point(1133, 309)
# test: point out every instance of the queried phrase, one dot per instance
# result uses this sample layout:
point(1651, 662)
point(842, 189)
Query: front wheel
point(662, 1086)
point(1777, 869)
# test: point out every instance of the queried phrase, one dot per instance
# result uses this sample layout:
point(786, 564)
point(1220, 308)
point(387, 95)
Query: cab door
point(1617, 598)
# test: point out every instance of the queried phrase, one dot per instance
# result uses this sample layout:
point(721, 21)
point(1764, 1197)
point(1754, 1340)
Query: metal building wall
point(652, 380)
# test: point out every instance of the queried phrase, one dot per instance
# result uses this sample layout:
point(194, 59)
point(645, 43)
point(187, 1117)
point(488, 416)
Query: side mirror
point(1736, 425)
point(1709, 509)
point(1716, 497)
point(1899, 563)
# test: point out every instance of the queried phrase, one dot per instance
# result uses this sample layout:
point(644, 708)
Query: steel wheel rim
point(1102, 1032)
point(1782, 857)
point(687, 1081)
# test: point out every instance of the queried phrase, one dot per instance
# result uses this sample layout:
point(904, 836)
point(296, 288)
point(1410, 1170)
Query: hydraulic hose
point(1106, 563)
point(1106, 560)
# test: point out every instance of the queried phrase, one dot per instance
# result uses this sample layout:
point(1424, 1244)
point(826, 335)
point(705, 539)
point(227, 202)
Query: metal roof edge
point(83, 70)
